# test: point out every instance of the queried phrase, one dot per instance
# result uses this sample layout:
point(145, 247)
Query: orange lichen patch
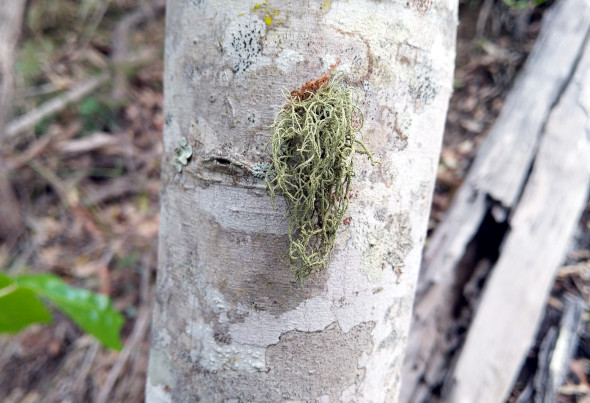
point(311, 87)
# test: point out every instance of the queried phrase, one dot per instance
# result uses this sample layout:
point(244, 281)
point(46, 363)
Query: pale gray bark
point(230, 324)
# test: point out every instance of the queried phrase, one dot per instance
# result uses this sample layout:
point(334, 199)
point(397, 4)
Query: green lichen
point(312, 146)
point(260, 169)
point(183, 153)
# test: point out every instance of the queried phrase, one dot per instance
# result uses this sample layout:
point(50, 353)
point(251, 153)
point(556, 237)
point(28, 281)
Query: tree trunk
point(230, 322)
point(11, 17)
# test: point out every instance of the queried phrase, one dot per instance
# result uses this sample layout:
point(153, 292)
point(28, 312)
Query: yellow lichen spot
point(275, 12)
point(256, 6)
point(239, 15)
point(268, 20)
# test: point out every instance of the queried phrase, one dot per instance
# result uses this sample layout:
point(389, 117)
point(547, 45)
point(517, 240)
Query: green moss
point(312, 147)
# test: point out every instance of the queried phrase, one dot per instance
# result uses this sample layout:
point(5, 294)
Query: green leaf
point(19, 307)
point(92, 312)
point(5, 280)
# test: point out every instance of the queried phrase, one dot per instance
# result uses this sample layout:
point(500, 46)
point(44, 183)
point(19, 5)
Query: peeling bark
point(230, 323)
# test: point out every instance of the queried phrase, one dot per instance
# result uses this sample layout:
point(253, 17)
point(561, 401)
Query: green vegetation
point(96, 115)
point(314, 139)
point(522, 4)
point(20, 306)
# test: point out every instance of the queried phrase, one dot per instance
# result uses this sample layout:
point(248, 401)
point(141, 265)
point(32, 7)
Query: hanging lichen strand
point(314, 138)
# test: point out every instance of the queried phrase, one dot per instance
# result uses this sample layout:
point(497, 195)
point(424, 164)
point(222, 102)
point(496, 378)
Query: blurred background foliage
point(86, 180)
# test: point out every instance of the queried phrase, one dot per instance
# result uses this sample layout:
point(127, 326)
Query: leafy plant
point(33, 54)
point(96, 115)
point(522, 4)
point(21, 306)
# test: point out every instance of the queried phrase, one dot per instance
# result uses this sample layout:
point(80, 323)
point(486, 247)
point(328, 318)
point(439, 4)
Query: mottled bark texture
point(230, 323)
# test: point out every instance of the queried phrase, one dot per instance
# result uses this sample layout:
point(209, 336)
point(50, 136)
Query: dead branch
point(121, 41)
point(29, 120)
point(137, 335)
point(11, 15)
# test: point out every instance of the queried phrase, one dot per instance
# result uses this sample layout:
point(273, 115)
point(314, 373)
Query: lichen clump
point(314, 138)
point(183, 153)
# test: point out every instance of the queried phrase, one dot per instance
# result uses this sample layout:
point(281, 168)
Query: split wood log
point(556, 353)
point(514, 215)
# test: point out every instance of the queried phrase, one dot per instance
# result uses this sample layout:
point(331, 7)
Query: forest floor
point(88, 185)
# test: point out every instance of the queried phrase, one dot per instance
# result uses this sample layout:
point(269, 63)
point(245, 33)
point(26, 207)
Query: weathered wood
point(541, 228)
point(554, 365)
point(544, 128)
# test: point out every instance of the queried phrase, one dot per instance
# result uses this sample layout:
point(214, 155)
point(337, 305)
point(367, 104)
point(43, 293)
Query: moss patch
point(314, 138)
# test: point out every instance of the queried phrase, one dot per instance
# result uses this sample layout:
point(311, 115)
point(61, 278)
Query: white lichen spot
point(214, 356)
point(215, 300)
point(404, 122)
point(348, 395)
point(157, 393)
point(288, 59)
point(374, 258)
point(160, 377)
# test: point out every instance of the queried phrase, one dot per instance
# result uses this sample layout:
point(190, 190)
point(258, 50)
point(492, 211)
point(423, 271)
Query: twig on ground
point(95, 20)
point(37, 148)
point(483, 17)
point(120, 41)
point(42, 89)
point(137, 335)
point(89, 143)
point(29, 120)
point(67, 197)
point(79, 385)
